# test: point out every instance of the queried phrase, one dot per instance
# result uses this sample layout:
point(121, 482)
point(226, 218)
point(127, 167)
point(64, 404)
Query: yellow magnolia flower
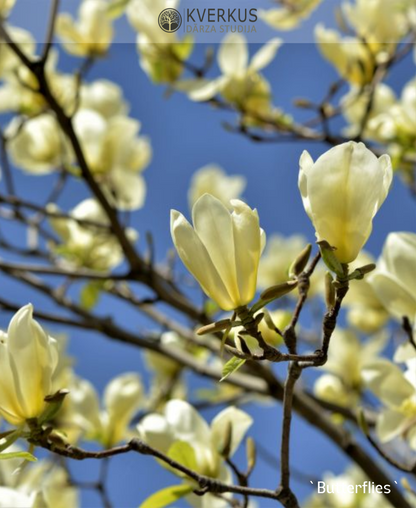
point(290, 14)
point(213, 180)
point(341, 192)
point(28, 358)
point(350, 56)
point(394, 280)
point(222, 250)
point(91, 35)
point(6, 6)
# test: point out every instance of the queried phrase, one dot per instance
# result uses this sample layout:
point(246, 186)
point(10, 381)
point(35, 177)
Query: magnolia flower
point(108, 425)
point(91, 35)
point(19, 93)
point(364, 308)
point(394, 280)
point(38, 146)
point(341, 192)
point(88, 245)
point(289, 15)
point(8, 59)
point(28, 358)
point(41, 481)
point(116, 155)
point(354, 106)
point(377, 21)
point(6, 6)
point(347, 357)
point(12, 498)
point(222, 250)
point(350, 56)
point(180, 424)
point(397, 391)
point(213, 180)
point(161, 53)
point(240, 83)
point(104, 97)
point(279, 255)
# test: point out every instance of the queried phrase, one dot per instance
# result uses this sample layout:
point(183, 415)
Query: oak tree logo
point(170, 20)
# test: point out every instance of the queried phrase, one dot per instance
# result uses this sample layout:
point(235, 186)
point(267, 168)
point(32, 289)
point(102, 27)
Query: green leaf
point(18, 455)
point(231, 366)
point(167, 496)
point(182, 452)
point(90, 294)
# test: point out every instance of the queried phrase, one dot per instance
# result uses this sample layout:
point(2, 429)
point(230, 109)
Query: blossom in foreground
point(396, 389)
point(222, 250)
point(108, 424)
point(213, 180)
point(394, 280)
point(180, 428)
point(342, 192)
point(88, 245)
point(289, 15)
point(91, 34)
point(28, 358)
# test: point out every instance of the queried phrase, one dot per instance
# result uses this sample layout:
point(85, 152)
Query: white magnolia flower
point(394, 280)
point(222, 250)
point(397, 391)
point(12, 498)
point(88, 245)
point(28, 358)
point(108, 424)
point(104, 97)
point(91, 34)
point(6, 6)
point(116, 155)
point(8, 59)
point(289, 15)
point(213, 180)
point(342, 192)
point(279, 255)
point(180, 423)
point(39, 145)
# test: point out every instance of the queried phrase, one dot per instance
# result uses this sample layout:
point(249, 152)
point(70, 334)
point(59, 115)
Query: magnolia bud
point(300, 262)
point(279, 290)
point(251, 454)
point(329, 291)
point(214, 327)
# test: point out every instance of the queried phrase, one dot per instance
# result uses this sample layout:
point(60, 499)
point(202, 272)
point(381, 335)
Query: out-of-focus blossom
point(6, 6)
point(181, 424)
point(222, 250)
point(396, 389)
point(8, 59)
point(213, 180)
point(394, 280)
point(162, 55)
point(364, 308)
point(91, 34)
point(342, 192)
point(116, 155)
point(87, 245)
point(240, 84)
point(279, 255)
point(38, 146)
point(290, 14)
point(347, 357)
point(104, 97)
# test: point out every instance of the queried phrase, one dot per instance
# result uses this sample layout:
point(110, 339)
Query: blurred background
point(186, 136)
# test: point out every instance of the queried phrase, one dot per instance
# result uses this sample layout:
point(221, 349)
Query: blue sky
point(186, 136)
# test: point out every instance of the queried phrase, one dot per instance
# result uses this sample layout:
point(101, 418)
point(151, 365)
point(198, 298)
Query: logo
point(170, 20)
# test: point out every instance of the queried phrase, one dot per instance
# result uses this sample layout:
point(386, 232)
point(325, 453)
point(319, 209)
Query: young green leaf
point(166, 497)
point(231, 366)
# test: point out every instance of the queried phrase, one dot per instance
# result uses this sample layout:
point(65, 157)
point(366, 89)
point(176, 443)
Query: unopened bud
point(219, 326)
point(330, 258)
point(225, 448)
point(359, 273)
point(279, 290)
point(251, 454)
point(300, 262)
point(329, 291)
point(54, 403)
